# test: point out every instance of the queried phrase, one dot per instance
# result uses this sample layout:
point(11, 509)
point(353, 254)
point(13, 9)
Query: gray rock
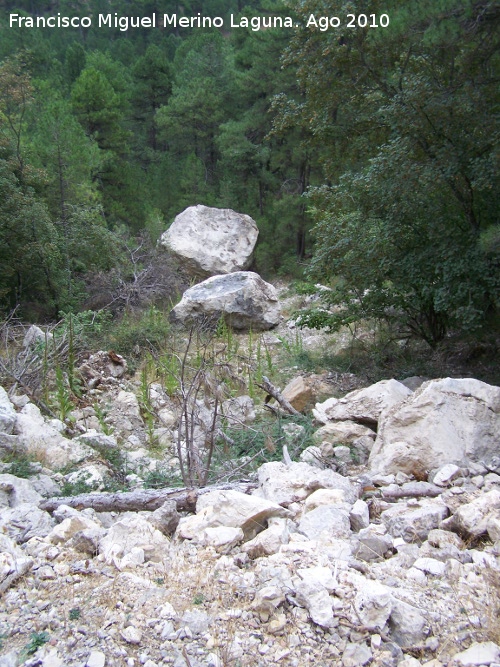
point(445, 421)
point(471, 519)
point(414, 524)
point(7, 413)
point(16, 491)
point(483, 653)
point(10, 659)
point(359, 515)
point(371, 544)
point(211, 241)
point(408, 626)
point(363, 405)
point(288, 484)
point(229, 508)
point(166, 518)
point(96, 659)
point(324, 522)
point(243, 298)
point(11, 445)
point(25, 521)
point(356, 655)
point(197, 620)
point(315, 598)
point(373, 603)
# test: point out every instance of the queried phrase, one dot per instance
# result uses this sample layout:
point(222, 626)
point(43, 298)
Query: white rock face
point(483, 653)
point(472, 519)
point(7, 413)
point(335, 433)
point(211, 241)
point(363, 405)
point(408, 627)
point(373, 603)
point(414, 524)
point(325, 522)
point(229, 508)
point(129, 536)
point(288, 484)
point(43, 440)
point(245, 300)
point(445, 421)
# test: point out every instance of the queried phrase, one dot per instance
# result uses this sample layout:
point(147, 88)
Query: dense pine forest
point(365, 146)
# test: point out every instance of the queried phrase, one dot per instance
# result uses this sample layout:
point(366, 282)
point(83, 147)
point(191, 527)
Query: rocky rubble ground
point(381, 546)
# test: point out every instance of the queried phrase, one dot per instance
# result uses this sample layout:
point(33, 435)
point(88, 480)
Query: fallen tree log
point(416, 490)
point(141, 499)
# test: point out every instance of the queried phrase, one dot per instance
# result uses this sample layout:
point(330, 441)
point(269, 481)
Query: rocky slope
point(381, 546)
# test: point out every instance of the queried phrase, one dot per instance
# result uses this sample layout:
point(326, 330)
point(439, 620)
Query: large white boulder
point(132, 541)
point(7, 413)
point(243, 298)
point(284, 484)
point(445, 421)
point(363, 405)
point(45, 442)
point(211, 241)
point(229, 508)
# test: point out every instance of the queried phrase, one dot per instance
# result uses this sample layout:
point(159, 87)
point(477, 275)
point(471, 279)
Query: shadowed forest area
point(367, 154)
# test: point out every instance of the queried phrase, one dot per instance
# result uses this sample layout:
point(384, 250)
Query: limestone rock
point(471, 519)
point(7, 413)
point(16, 491)
point(132, 532)
point(356, 655)
point(243, 298)
point(65, 530)
point(334, 497)
point(25, 521)
point(44, 441)
point(222, 538)
point(342, 432)
point(483, 653)
point(211, 241)
point(363, 405)
point(166, 518)
point(359, 515)
point(269, 540)
point(445, 421)
point(408, 626)
point(299, 393)
point(288, 484)
point(414, 524)
point(229, 508)
point(373, 603)
point(324, 522)
point(315, 598)
point(446, 474)
point(372, 543)
point(96, 659)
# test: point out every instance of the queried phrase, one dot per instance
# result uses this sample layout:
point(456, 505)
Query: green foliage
point(133, 334)
point(407, 115)
point(263, 441)
point(37, 639)
point(20, 465)
point(75, 614)
point(62, 398)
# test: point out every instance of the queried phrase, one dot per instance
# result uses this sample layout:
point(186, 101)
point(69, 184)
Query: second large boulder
point(243, 298)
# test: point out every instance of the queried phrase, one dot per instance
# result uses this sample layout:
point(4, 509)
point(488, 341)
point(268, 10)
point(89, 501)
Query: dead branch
point(429, 491)
point(142, 499)
point(273, 391)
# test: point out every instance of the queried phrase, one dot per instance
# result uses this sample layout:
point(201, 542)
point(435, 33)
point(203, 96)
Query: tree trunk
point(142, 499)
